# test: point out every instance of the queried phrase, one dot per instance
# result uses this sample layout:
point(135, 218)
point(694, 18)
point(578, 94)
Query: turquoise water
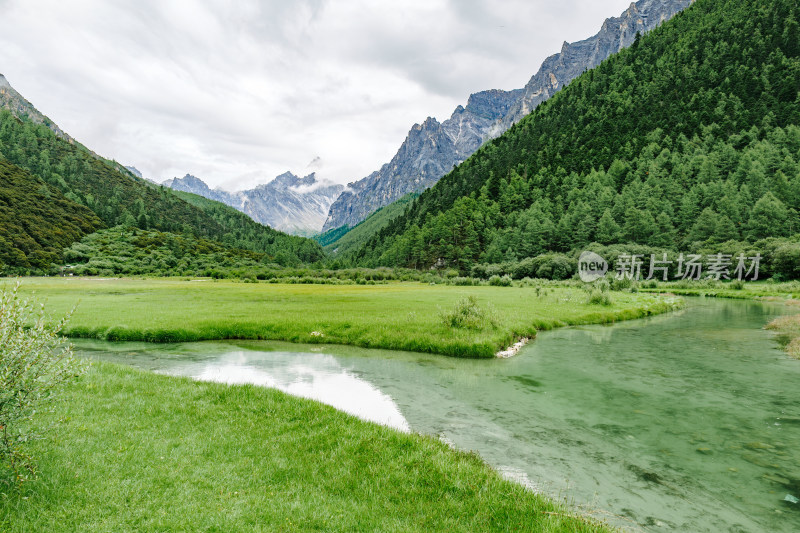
point(682, 422)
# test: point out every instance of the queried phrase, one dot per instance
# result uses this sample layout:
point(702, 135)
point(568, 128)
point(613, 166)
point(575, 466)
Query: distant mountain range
point(288, 203)
point(431, 149)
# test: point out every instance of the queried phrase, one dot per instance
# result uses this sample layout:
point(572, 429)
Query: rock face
point(11, 100)
point(135, 171)
point(294, 205)
point(431, 149)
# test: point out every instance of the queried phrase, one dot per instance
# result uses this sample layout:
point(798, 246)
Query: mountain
point(195, 185)
point(341, 241)
point(288, 203)
point(561, 68)
point(113, 195)
point(136, 172)
point(18, 106)
point(431, 149)
point(687, 141)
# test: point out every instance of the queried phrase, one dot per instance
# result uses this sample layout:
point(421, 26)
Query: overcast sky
point(239, 91)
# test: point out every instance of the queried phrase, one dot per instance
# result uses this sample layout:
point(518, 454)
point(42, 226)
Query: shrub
point(619, 284)
point(500, 281)
point(34, 362)
point(555, 266)
point(467, 314)
point(786, 261)
point(526, 268)
point(602, 285)
point(598, 297)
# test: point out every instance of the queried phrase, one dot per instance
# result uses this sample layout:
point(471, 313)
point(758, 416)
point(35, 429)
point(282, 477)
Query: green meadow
point(399, 316)
point(136, 451)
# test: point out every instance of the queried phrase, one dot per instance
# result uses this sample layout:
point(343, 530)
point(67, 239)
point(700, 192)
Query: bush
point(598, 297)
point(467, 314)
point(602, 285)
point(555, 266)
point(618, 284)
point(500, 281)
point(786, 261)
point(34, 362)
point(527, 268)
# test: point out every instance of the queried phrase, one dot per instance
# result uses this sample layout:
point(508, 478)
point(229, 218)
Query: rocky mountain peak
point(431, 149)
point(287, 203)
point(284, 181)
point(14, 102)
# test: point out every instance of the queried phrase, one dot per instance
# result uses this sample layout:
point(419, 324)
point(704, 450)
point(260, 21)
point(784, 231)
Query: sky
point(238, 92)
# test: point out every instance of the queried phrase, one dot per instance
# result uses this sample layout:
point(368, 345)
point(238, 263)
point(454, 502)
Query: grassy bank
point(726, 289)
point(401, 316)
point(788, 329)
point(143, 452)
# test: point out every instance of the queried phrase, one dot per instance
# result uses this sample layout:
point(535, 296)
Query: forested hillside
point(688, 138)
point(343, 240)
point(36, 220)
point(118, 198)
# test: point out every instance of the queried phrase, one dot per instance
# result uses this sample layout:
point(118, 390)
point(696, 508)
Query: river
point(682, 422)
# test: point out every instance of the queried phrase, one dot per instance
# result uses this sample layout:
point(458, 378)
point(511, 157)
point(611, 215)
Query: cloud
point(237, 91)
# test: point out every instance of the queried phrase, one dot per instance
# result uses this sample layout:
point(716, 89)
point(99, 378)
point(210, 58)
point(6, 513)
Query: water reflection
point(316, 376)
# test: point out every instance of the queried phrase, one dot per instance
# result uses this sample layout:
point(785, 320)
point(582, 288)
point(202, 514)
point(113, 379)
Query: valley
point(571, 306)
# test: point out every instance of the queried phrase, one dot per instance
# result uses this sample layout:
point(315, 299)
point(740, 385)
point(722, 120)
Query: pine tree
point(608, 230)
point(768, 218)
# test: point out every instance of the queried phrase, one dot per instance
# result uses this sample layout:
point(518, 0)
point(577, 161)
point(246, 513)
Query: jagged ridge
point(431, 149)
point(287, 203)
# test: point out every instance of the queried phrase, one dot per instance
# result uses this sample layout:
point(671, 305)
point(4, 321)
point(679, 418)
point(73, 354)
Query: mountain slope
point(18, 106)
point(342, 241)
point(432, 149)
point(689, 136)
point(298, 206)
point(114, 194)
point(287, 250)
point(37, 221)
point(560, 69)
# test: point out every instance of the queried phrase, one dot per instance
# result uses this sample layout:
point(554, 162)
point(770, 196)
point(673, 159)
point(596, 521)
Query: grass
point(143, 452)
point(788, 328)
point(752, 290)
point(399, 316)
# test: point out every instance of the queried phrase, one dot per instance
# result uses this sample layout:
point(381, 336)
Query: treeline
point(118, 198)
point(686, 140)
point(778, 259)
point(130, 251)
